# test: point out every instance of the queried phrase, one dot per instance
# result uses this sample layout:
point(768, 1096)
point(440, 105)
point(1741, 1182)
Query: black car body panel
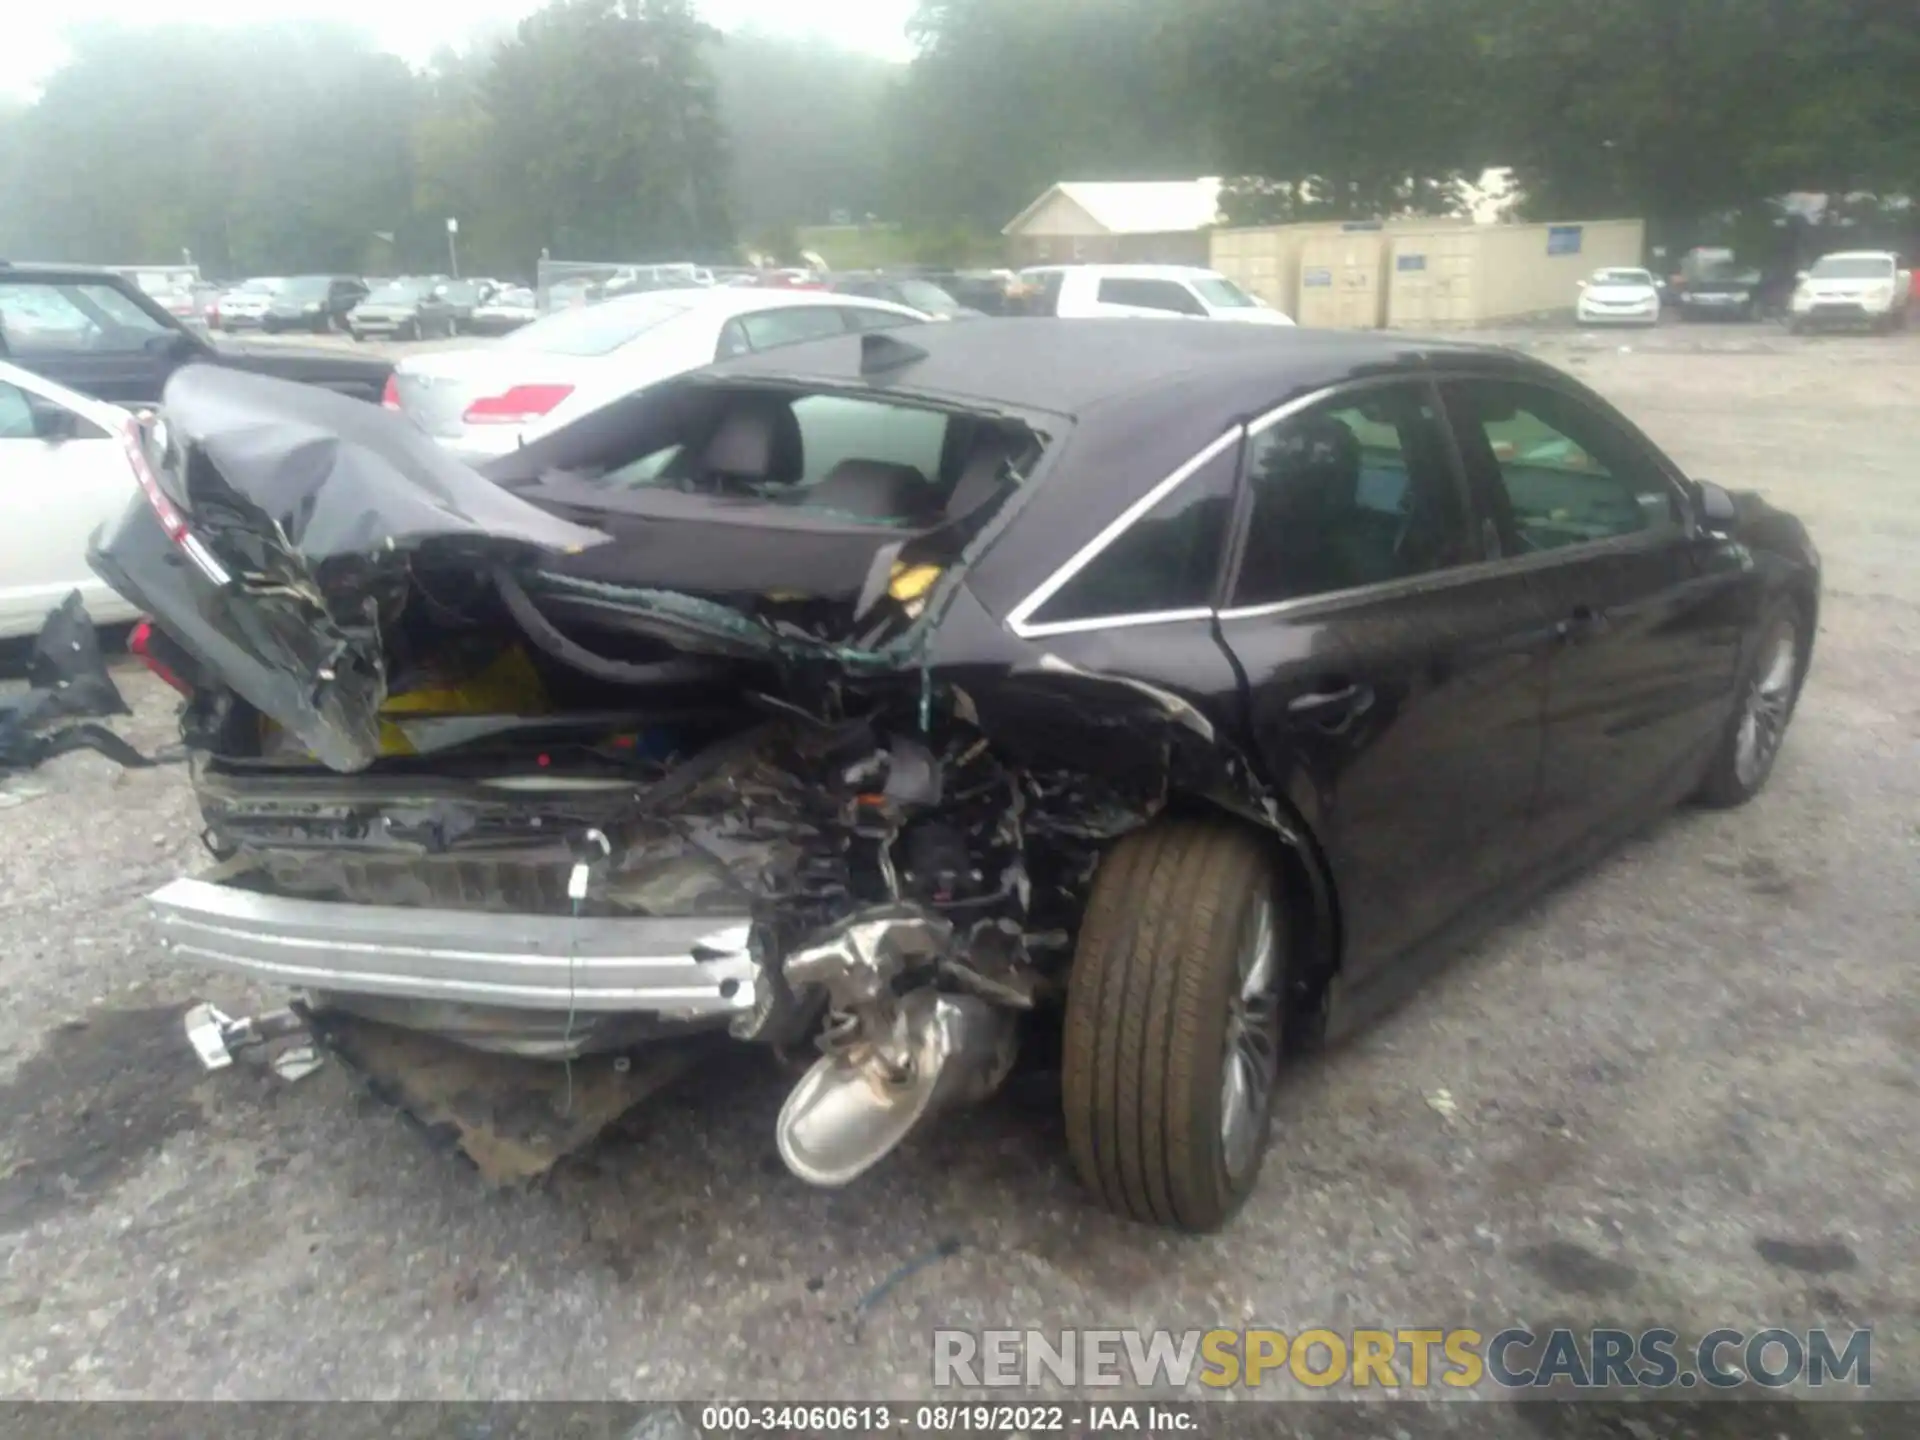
point(137, 373)
point(1108, 603)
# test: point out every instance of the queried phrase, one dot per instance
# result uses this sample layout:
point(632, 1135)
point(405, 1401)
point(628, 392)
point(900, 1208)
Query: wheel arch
point(1312, 901)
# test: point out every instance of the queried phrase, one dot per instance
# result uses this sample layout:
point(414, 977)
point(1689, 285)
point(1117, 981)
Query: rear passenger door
point(1643, 662)
point(1395, 679)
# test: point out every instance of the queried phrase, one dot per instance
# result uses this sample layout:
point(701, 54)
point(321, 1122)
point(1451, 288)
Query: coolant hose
point(542, 632)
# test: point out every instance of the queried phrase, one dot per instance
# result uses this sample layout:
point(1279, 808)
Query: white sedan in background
point(64, 472)
point(482, 401)
point(1619, 296)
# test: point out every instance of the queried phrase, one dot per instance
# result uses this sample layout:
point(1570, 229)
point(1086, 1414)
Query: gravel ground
point(1681, 1087)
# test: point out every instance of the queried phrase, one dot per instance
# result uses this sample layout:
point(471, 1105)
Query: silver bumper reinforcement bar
point(679, 968)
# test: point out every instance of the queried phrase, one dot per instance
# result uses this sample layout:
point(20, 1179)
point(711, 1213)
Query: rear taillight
point(390, 397)
point(144, 644)
point(517, 405)
point(171, 520)
point(133, 440)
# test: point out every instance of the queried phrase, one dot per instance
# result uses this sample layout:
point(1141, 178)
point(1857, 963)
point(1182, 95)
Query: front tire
point(1174, 1023)
point(1768, 691)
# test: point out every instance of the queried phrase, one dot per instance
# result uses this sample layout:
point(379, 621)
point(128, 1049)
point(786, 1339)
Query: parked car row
point(410, 308)
point(1848, 289)
point(1064, 291)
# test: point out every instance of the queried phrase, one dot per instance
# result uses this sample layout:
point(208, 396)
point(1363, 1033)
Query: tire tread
point(1152, 972)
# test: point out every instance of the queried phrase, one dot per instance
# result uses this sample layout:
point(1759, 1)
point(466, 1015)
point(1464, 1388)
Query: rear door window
point(864, 319)
point(1145, 294)
point(16, 414)
point(47, 317)
point(1358, 491)
point(769, 329)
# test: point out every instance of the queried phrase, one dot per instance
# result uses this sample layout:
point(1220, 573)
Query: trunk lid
point(314, 509)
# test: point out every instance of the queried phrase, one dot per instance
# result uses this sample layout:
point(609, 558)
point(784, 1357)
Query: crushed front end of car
point(519, 805)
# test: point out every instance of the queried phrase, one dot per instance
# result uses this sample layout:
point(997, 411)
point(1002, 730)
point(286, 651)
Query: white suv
point(1078, 291)
point(1855, 287)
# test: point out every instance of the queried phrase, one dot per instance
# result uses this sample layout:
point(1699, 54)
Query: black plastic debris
point(69, 691)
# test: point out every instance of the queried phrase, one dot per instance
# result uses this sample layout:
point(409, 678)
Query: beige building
point(1149, 221)
point(1422, 273)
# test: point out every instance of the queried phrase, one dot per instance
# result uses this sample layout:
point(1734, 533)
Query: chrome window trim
point(1110, 622)
point(1019, 620)
point(1503, 568)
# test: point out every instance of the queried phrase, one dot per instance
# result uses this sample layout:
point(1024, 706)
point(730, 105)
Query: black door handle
point(1584, 621)
point(1333, 709)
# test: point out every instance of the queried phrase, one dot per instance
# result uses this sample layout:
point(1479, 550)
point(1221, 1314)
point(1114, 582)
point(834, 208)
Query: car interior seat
point(755, 444)
point(1430, 535)
point(876, 490)
point(1302, 540)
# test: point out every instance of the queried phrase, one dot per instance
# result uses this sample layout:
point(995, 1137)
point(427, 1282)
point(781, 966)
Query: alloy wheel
point(1252, 1046)
point(1768, 705)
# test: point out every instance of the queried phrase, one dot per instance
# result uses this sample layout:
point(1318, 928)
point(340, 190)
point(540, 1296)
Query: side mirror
point(1714, 506)
point(52, 423)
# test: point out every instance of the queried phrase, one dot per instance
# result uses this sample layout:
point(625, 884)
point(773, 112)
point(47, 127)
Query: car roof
point(1126, 272)
point(54, 272)
point(1858, 255)
point(1067, 367)
point(724, 301)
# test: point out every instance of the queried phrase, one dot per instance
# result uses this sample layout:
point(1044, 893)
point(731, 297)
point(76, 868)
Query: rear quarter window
point(1166, 560)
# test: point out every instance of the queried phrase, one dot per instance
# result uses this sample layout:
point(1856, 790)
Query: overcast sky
point(33, 47)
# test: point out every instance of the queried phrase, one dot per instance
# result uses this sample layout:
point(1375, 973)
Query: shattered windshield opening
point(770, 522)
point(896, 448)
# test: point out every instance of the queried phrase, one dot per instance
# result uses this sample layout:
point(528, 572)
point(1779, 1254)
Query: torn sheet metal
point(68, 691)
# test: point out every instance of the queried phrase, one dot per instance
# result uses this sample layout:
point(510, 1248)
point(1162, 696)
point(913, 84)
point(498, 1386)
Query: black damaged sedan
point(1162, 693)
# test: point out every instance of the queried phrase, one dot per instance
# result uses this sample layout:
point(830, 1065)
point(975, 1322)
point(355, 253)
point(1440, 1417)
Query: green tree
point(606, 130)
point(1343, 109)
point(1008, 96)
point(805, 122)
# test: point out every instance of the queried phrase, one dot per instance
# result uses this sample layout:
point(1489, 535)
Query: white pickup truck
point(1853, 287)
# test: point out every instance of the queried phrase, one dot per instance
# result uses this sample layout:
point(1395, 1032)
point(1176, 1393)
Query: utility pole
point(453, 245)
